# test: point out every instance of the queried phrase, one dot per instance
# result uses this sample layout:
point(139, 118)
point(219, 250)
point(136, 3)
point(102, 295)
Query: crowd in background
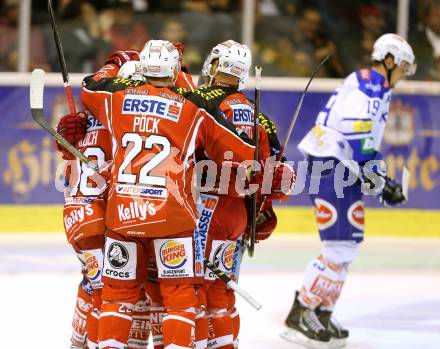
point(291, 36)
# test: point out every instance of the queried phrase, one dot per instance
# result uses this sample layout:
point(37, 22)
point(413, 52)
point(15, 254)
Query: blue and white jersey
point(352, 123)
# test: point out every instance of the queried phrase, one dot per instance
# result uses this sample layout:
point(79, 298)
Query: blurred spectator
point(295, 48)
point(9, 40)
point(173, 30)
point(207, 6)
point(80, 35)
point(309, 37)
point(281, 58)
point(372, 26)
point(121, 30)
point(165, 6)
point(356, 48)
point(426, 44)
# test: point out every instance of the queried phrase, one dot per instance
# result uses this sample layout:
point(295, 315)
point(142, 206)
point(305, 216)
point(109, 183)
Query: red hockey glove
point(120, 57)
point(73, 128)
point(266, 224)
point(180, 48)
point(283, 177)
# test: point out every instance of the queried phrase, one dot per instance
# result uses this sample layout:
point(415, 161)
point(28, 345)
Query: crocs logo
point(117, 255)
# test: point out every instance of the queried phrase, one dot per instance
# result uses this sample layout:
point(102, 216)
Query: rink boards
point(379, 222)
point(28, 163)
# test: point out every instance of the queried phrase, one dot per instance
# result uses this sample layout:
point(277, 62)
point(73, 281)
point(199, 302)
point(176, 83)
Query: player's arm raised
point(217, 136)
point(99, 86)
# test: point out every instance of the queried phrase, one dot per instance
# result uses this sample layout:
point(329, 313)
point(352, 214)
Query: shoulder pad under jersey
point(109, 84)
point(208, 98)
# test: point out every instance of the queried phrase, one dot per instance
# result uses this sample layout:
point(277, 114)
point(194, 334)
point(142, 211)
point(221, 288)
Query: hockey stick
point(406, 176)
point(36, 102)
point(252, 238)
point(56, 36)
point(294, 118)
point(233, 285)
point(298, 108)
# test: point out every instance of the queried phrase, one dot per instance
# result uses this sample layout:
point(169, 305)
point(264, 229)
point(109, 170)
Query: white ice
point(391, 299)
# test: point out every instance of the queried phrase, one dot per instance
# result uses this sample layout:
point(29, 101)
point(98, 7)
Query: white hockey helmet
point(159, 58)
point(233, 59)
point(396, 46)
point(131, 70)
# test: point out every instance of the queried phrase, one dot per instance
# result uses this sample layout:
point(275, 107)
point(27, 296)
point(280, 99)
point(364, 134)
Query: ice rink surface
point(391, 299)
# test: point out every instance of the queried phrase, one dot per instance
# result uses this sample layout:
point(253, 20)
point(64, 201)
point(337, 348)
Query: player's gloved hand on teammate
point(392, 193)
point(121, 57)
point(180, 48)
point(73, 128)
point(266, 224)
point(283, 178)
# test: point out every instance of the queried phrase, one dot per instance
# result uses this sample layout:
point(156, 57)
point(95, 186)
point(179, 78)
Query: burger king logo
point(228, 256)
point(325, 213)
point(92, 266)
point(173, 254)
point(356, 215)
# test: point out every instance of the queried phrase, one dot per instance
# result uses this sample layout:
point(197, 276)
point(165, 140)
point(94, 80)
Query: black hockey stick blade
point(36, 103)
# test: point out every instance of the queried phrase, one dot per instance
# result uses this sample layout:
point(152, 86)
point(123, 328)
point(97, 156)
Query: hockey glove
point(180, 48)
point(392, 193)
point(121, 57)
point(73, 128)
point(373, 177)
point(266, 224)
point(283, 179)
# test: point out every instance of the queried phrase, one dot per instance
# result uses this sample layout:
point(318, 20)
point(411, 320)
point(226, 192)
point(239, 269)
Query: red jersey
point(84, 208)
point(155, 132)
point(185, 80)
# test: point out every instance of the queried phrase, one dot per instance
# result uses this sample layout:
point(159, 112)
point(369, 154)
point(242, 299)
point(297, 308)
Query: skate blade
point(338, 343)
point(298, 338)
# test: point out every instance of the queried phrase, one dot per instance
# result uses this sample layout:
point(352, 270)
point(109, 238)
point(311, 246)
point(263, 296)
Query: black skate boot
point(303, 327)
point(338, 333)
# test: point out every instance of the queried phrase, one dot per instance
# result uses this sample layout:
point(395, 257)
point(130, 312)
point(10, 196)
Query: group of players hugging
point(174, 160)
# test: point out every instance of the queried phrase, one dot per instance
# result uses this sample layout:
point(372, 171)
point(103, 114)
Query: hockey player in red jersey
point(84, 218)
point(84, 212)
point(222, 210)
point(150, 196)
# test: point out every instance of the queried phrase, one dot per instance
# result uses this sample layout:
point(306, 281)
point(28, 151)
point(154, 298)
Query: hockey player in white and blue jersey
point(348, 131)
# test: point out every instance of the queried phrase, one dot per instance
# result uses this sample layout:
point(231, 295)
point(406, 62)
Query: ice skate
point(339, 334)
point(304, 328)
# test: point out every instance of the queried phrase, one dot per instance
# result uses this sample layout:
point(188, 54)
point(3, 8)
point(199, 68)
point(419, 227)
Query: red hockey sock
point(178, 329)
point(93, 320)
point(220, 330)
point(156, 315)
point(114, 325)
point(201, 330)
point(140, 327)
point(235, 316)
point(79, 323)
